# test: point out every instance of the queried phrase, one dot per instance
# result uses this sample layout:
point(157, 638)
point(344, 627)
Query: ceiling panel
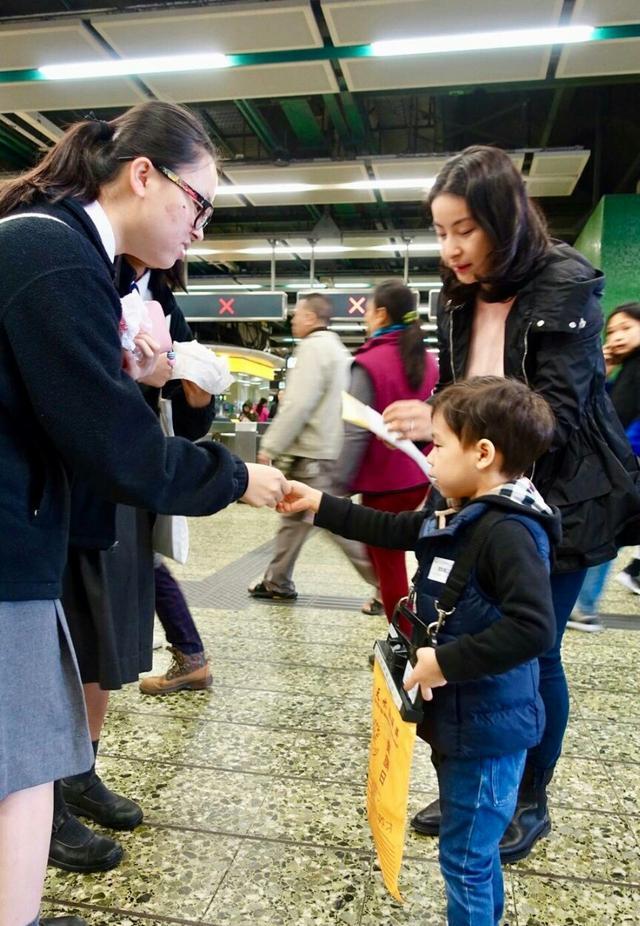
point(605, 12)
point(361, 21)
point(349, 248)
point(446, 69)
point(324, 173)
point(230, 28)
point(246, 83)
point(46, 43)
point(72, 94)
point(550, 186)
point(621, 56)
point(559, 163)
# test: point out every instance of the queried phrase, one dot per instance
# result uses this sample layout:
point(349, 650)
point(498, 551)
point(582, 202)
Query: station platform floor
point(254, 791)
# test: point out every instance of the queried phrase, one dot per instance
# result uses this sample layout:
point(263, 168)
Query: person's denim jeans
point(592, 588)
point(477, 801)
point(554, 691)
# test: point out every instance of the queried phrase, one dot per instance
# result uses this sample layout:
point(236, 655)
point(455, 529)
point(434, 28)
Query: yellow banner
point(390, 755)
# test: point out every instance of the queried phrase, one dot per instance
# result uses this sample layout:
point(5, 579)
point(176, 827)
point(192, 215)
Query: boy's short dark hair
point(517, 421)
point(320, 305)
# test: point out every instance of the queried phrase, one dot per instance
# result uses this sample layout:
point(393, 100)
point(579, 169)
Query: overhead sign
point(350, 305)
point(233, 306)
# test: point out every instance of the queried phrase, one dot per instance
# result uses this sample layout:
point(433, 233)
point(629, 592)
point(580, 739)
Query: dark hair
point(262, 402)
point(518, 421)
point(91, 153)
point(321, 307)
point(632, 309)
point(497, 199)
point(400, 304)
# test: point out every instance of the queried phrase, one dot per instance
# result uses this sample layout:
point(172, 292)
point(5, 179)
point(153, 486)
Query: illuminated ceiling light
point(257, 189)
point(355, 285)
point(400, 246)
point(483, 41)
point(204, 288)
point(289, 250)
point(202, 252)
point(399, 183)
point(119, 67)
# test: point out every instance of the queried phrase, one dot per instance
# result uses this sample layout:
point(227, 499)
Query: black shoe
point(75, 847)
point(531, 820)
point(427, 821)
point(62, 921)
point(91, 798)
point(261, 591)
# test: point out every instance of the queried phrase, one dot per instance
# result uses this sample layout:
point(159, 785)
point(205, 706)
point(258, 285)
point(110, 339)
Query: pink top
point(263, 414)
point(486, 347)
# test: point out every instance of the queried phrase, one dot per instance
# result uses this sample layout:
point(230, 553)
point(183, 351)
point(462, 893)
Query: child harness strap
point(460, 574)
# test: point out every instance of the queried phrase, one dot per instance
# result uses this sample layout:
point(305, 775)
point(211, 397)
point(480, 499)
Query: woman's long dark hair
point(91, 153)
point(632, 309)
point(497, 199)
point(400, 304)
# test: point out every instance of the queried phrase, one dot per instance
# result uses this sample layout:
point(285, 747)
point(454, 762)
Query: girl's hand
point(161, 373)
point(196, 396)
point(142, 363)
point(409, 418)
point(300, 497)
point(426, 673)
point(267, 486)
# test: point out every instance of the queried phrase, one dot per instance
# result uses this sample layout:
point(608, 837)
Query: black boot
point(427, 821)
point(531, 820)
point(75, 847)
point(62, 921)
point(88, 796)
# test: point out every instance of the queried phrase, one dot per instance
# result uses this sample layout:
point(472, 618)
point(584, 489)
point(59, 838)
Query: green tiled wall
point(611, 241)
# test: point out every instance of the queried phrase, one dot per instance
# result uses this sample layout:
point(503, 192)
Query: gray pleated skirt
point(43, 723)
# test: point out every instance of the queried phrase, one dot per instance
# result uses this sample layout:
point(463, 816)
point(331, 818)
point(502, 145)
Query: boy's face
point(455, 470)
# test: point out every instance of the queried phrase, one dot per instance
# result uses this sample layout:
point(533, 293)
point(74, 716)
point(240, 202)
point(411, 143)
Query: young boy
point(480, 682)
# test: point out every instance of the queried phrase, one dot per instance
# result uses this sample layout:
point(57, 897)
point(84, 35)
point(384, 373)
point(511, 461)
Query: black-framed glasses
point(205, 208)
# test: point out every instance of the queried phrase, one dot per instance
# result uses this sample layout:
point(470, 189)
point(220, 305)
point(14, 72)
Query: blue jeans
point(477, 801)
point(592, 588)
point(554, 691)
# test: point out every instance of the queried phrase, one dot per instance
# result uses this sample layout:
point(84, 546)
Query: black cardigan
point(66, 404)
point(625, 392)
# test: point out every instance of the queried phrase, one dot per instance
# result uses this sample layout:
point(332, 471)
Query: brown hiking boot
point(186, 671)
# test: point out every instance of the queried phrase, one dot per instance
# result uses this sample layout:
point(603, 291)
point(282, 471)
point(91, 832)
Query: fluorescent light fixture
point(355, 285)
point(401, 246)
point(256, 189)
point(289, 250)
point(220, 287)
point(305, 285)
point(399, 183)
point(202, 252)
point(483, 41)
point(426, 284)
point(119, 67)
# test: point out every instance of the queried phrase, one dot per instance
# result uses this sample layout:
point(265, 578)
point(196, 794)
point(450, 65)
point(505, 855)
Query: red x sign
point(357, 305)
point(226, 305)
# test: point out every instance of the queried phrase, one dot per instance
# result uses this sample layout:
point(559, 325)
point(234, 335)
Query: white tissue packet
point(201, 366)
point(135, 318)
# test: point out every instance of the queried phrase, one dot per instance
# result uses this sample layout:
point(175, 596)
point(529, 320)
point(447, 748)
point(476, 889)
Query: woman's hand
point(196, 396)
point(160, 375)
point(409, 418)
point(142, 363)
point(426, 673)
point(300, 497)
point(267, 486)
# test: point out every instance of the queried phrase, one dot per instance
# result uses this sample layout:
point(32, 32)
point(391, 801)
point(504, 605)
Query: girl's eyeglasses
point(205, 208)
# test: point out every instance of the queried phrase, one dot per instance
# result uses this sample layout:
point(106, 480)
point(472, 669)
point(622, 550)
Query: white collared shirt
point(103, 226)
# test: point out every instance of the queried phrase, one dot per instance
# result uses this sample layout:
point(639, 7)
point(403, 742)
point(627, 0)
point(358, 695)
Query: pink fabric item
point(486, 347)
point(384, 470)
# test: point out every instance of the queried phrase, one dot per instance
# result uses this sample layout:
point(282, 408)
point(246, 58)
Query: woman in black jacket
point(516, 303)
point(140, 184)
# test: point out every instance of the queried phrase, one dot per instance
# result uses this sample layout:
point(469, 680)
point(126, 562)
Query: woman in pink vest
point(392, 364)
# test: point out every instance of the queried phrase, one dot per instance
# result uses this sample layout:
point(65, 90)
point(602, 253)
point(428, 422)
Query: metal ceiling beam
point(258, 125)
point(562, 97)
point(303, 121)
point(332, 106)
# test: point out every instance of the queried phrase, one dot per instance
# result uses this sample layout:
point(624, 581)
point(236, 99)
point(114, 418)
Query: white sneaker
point(628, 581)
point(588, 622)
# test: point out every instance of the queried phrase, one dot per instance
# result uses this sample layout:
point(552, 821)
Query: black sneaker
point(261, 591)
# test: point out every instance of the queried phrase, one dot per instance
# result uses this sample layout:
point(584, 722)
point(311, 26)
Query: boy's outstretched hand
point(300, 497)
point(425, 673)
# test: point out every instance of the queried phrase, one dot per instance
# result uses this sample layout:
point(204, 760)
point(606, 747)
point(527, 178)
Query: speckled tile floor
point(253, 791)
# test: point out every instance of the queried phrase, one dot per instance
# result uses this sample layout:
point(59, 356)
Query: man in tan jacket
point(308, 428)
